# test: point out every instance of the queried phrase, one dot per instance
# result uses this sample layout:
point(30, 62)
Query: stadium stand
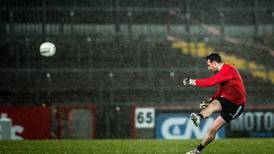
point(133, 72)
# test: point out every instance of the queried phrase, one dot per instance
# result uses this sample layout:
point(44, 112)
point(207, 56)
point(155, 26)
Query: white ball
point(47, 49)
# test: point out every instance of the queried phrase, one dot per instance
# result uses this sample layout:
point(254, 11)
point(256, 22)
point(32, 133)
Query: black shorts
point(230, 110)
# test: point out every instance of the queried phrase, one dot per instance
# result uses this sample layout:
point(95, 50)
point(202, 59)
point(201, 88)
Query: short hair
point(214, 57)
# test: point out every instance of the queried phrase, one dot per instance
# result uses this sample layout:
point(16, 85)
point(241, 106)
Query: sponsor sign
point(27, 122)
point(145, 117)
point(180, 126)
point(252, 124)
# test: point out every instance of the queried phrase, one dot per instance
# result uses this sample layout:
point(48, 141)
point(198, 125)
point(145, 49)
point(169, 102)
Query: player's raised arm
point(209, 82)
point(222, 76)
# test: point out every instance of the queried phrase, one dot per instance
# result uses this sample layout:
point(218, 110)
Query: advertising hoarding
point(180, 126)
point(28, 122)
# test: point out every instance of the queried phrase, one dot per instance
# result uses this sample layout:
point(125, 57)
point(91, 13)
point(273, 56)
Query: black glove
point(188, 81)
point(205, 103)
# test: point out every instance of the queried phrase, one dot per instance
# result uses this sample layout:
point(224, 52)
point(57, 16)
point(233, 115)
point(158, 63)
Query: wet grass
point(223, 146)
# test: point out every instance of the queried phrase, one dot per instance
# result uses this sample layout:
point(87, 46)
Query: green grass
point(224, 146)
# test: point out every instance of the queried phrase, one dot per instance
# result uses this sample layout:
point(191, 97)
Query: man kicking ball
point(229, 99)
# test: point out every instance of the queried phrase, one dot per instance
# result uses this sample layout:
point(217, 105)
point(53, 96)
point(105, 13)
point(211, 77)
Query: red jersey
point(230, 85)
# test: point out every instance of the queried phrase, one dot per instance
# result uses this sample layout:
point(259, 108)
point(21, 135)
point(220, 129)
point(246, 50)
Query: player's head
point(213, 61)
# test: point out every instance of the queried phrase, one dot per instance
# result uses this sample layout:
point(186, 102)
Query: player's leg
point(230, 111)
point(214, 106)
point(210, 135)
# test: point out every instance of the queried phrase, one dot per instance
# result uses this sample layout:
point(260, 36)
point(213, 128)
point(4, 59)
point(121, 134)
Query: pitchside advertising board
point(172, 125)
point(144, 117)
point(19, 123)
point(178, 125)
point(252, 124)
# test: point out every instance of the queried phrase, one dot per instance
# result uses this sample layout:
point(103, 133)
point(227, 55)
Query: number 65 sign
point(144, 117)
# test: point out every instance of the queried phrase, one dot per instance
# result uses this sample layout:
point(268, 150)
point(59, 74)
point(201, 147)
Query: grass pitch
point(224, 146)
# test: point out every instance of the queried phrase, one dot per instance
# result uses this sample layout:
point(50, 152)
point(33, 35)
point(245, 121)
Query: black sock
point(201, 116)
point(200, 147)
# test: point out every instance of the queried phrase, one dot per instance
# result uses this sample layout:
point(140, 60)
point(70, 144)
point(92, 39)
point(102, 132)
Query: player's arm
point(215, 79)
point(209, 82)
